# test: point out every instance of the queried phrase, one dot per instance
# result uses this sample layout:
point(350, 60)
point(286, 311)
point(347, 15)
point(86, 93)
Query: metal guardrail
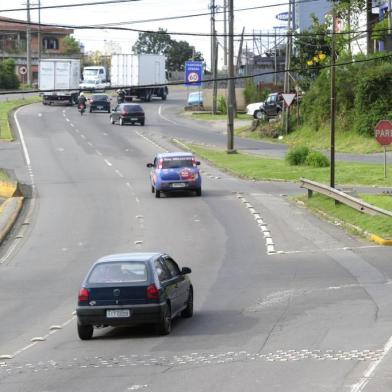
point(342, 197)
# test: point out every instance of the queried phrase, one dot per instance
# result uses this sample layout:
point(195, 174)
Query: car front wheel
point(111, 120)
point(260, 115)
point(198, 192)
point(157, 193)
point(85, 332)
point(188, 311)
point(121, 122)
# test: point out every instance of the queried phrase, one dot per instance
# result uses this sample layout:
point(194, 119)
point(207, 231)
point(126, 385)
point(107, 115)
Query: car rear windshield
point(132, 108)
point(99, 97)
point(175, 163)
point(119, 272)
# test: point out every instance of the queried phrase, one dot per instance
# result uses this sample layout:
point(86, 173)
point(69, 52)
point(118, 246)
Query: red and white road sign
point(383, 132)
point(288, 98)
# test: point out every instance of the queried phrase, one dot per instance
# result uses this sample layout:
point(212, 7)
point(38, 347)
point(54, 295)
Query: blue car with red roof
point(173, 172)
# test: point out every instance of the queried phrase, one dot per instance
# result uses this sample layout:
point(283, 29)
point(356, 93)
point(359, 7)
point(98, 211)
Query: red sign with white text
point(383, 132)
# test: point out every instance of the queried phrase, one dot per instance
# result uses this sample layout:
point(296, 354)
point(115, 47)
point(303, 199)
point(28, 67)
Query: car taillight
point(91, 100)
point(160, 164)
point(152, 292)
point(83, 295)
point(123, 113)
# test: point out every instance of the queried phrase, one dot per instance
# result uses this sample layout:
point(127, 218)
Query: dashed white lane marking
point(39, 114)
point(119, 173)
point(77, 130)
point(151, 141)
point(165, 118)
point(72, 125)
point(90, 144)
point(83, 137)
point(137, 387)
point(107, 162)
point(67, 119)
point(367, 376)
point(105, 134)
point(98, 152)
point(269, 243)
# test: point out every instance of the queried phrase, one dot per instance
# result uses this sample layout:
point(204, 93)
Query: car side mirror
point(185, 270)
point(150, 165)
point(198, 162)
point(113, 110)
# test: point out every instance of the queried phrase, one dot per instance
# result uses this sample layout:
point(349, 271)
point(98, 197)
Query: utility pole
point(286, 86)
point(39, 31)
point(389, 17)
point(333, 97)
point(213, 55)
point(231, 88)
point(275, 62)
point(28, 45)
point(225, 33)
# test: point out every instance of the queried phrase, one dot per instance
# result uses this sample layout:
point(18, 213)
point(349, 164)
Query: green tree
point(8, 78)
point(71, 45)
point(178, 52)
point(155, 43)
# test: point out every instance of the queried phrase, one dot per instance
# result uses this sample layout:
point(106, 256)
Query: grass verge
point(3, 176)
point(260, 168)
point(5, 108)
point(351, 219)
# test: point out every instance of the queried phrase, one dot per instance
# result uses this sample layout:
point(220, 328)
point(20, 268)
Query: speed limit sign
point(22, 70)
point(193, 77)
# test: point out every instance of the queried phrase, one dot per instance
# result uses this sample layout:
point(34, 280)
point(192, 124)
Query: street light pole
point(333, 98)
point(231, 88)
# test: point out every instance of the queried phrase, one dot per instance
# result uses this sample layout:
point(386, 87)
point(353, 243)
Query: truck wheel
point(164, 95)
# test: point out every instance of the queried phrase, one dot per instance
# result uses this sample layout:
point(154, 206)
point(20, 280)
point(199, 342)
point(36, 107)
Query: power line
point(176, 83)
point(69, 5)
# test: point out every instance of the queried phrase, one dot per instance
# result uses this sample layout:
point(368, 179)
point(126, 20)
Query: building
point(46, 42)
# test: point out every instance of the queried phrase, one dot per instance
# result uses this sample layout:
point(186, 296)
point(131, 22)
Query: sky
point(258, 19)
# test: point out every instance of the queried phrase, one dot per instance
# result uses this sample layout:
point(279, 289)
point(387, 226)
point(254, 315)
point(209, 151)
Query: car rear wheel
point(111, 120)
point(152, 189)
point(157, 193)
point(121, 122)
point(142, 123)
point(165, 325)
point(85, 332)
point(188, 311)
point(109, 110)
point(91, 110)
point(198, 192)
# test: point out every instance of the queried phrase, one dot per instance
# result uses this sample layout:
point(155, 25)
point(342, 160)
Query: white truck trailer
point(140, 75)
point(58, 80)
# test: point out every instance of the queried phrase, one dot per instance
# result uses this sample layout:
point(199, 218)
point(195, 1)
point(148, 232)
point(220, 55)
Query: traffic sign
point(193, 73)
point(22, 70)
point(283, 16)
point(288, 98)
point(383, 132)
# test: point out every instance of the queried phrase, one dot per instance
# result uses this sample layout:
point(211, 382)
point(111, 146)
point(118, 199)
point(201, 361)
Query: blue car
point(173, 172)
point(195, 98)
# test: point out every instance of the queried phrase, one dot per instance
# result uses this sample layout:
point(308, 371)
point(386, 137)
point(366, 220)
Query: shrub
point(222, 105)
point(8, 78)
point(252, 93)
point(297, 155)
point(316, 159)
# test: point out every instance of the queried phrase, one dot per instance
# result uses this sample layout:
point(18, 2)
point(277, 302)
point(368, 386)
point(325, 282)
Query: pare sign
point(383, 132)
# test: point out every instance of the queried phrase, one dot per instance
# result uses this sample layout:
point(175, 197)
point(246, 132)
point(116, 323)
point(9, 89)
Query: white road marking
point(105, 134)
point(107, 162)
point(361, 384)
point(98, 152)
point(67, 119)
point(38, 339)
point(83, 137)
point(90, 144)
point(39, 114)
point(71, 125)
point(119, 173)
point(77, 130)
point(151, 141)
point(165, 118)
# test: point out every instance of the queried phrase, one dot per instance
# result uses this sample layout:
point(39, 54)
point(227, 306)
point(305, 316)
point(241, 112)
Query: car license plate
point(99, 107)
point(134, 119)
point(117, 313)
point(178, 185)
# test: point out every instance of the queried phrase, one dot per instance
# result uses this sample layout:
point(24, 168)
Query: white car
point(93, 85)
point(253, 109)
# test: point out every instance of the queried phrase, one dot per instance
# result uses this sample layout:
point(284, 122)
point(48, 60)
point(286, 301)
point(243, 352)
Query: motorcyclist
point(120, 96)
point(82, 101)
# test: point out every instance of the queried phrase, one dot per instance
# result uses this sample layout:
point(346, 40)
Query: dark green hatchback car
point(130, 113)
point(133, 288)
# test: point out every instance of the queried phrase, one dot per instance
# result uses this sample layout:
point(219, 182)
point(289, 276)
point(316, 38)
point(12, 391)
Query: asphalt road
point(283, 300)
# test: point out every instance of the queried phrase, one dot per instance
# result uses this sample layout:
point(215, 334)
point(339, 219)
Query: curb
point(10, 210)
point(380, 240)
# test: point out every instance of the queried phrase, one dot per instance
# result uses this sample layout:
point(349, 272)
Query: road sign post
point(383, 134)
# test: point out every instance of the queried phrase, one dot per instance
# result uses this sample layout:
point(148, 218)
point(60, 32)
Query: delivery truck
point(58, 80)
point(141, 76)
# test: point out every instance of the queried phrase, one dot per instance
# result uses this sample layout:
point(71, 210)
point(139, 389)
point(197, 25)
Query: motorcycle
point(82, 108)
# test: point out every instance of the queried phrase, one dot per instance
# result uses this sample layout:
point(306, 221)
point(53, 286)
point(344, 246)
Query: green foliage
point(316, 159)
point(177, 52)
point(297, 155)
point(252, 93)
point(222, 105)
point(71, 45)
point(373, 100)
point(380, 30)
point(8, 78)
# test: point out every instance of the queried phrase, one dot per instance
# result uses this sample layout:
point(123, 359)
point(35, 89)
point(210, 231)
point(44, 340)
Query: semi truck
point(141, 76)
point(58, 80)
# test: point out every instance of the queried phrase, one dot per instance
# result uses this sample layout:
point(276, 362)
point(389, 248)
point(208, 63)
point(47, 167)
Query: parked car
point(127, 113)
point(195, 98)
point(99, 102)
point(133, 288)
point(173, 172)
point(253, 108)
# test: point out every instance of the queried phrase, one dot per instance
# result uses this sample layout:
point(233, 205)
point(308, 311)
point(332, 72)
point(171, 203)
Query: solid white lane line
point(361, 384)
point(22, 139)
point(119, 173)
point(83, 137)
point(107, 162)
point(165, 118)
